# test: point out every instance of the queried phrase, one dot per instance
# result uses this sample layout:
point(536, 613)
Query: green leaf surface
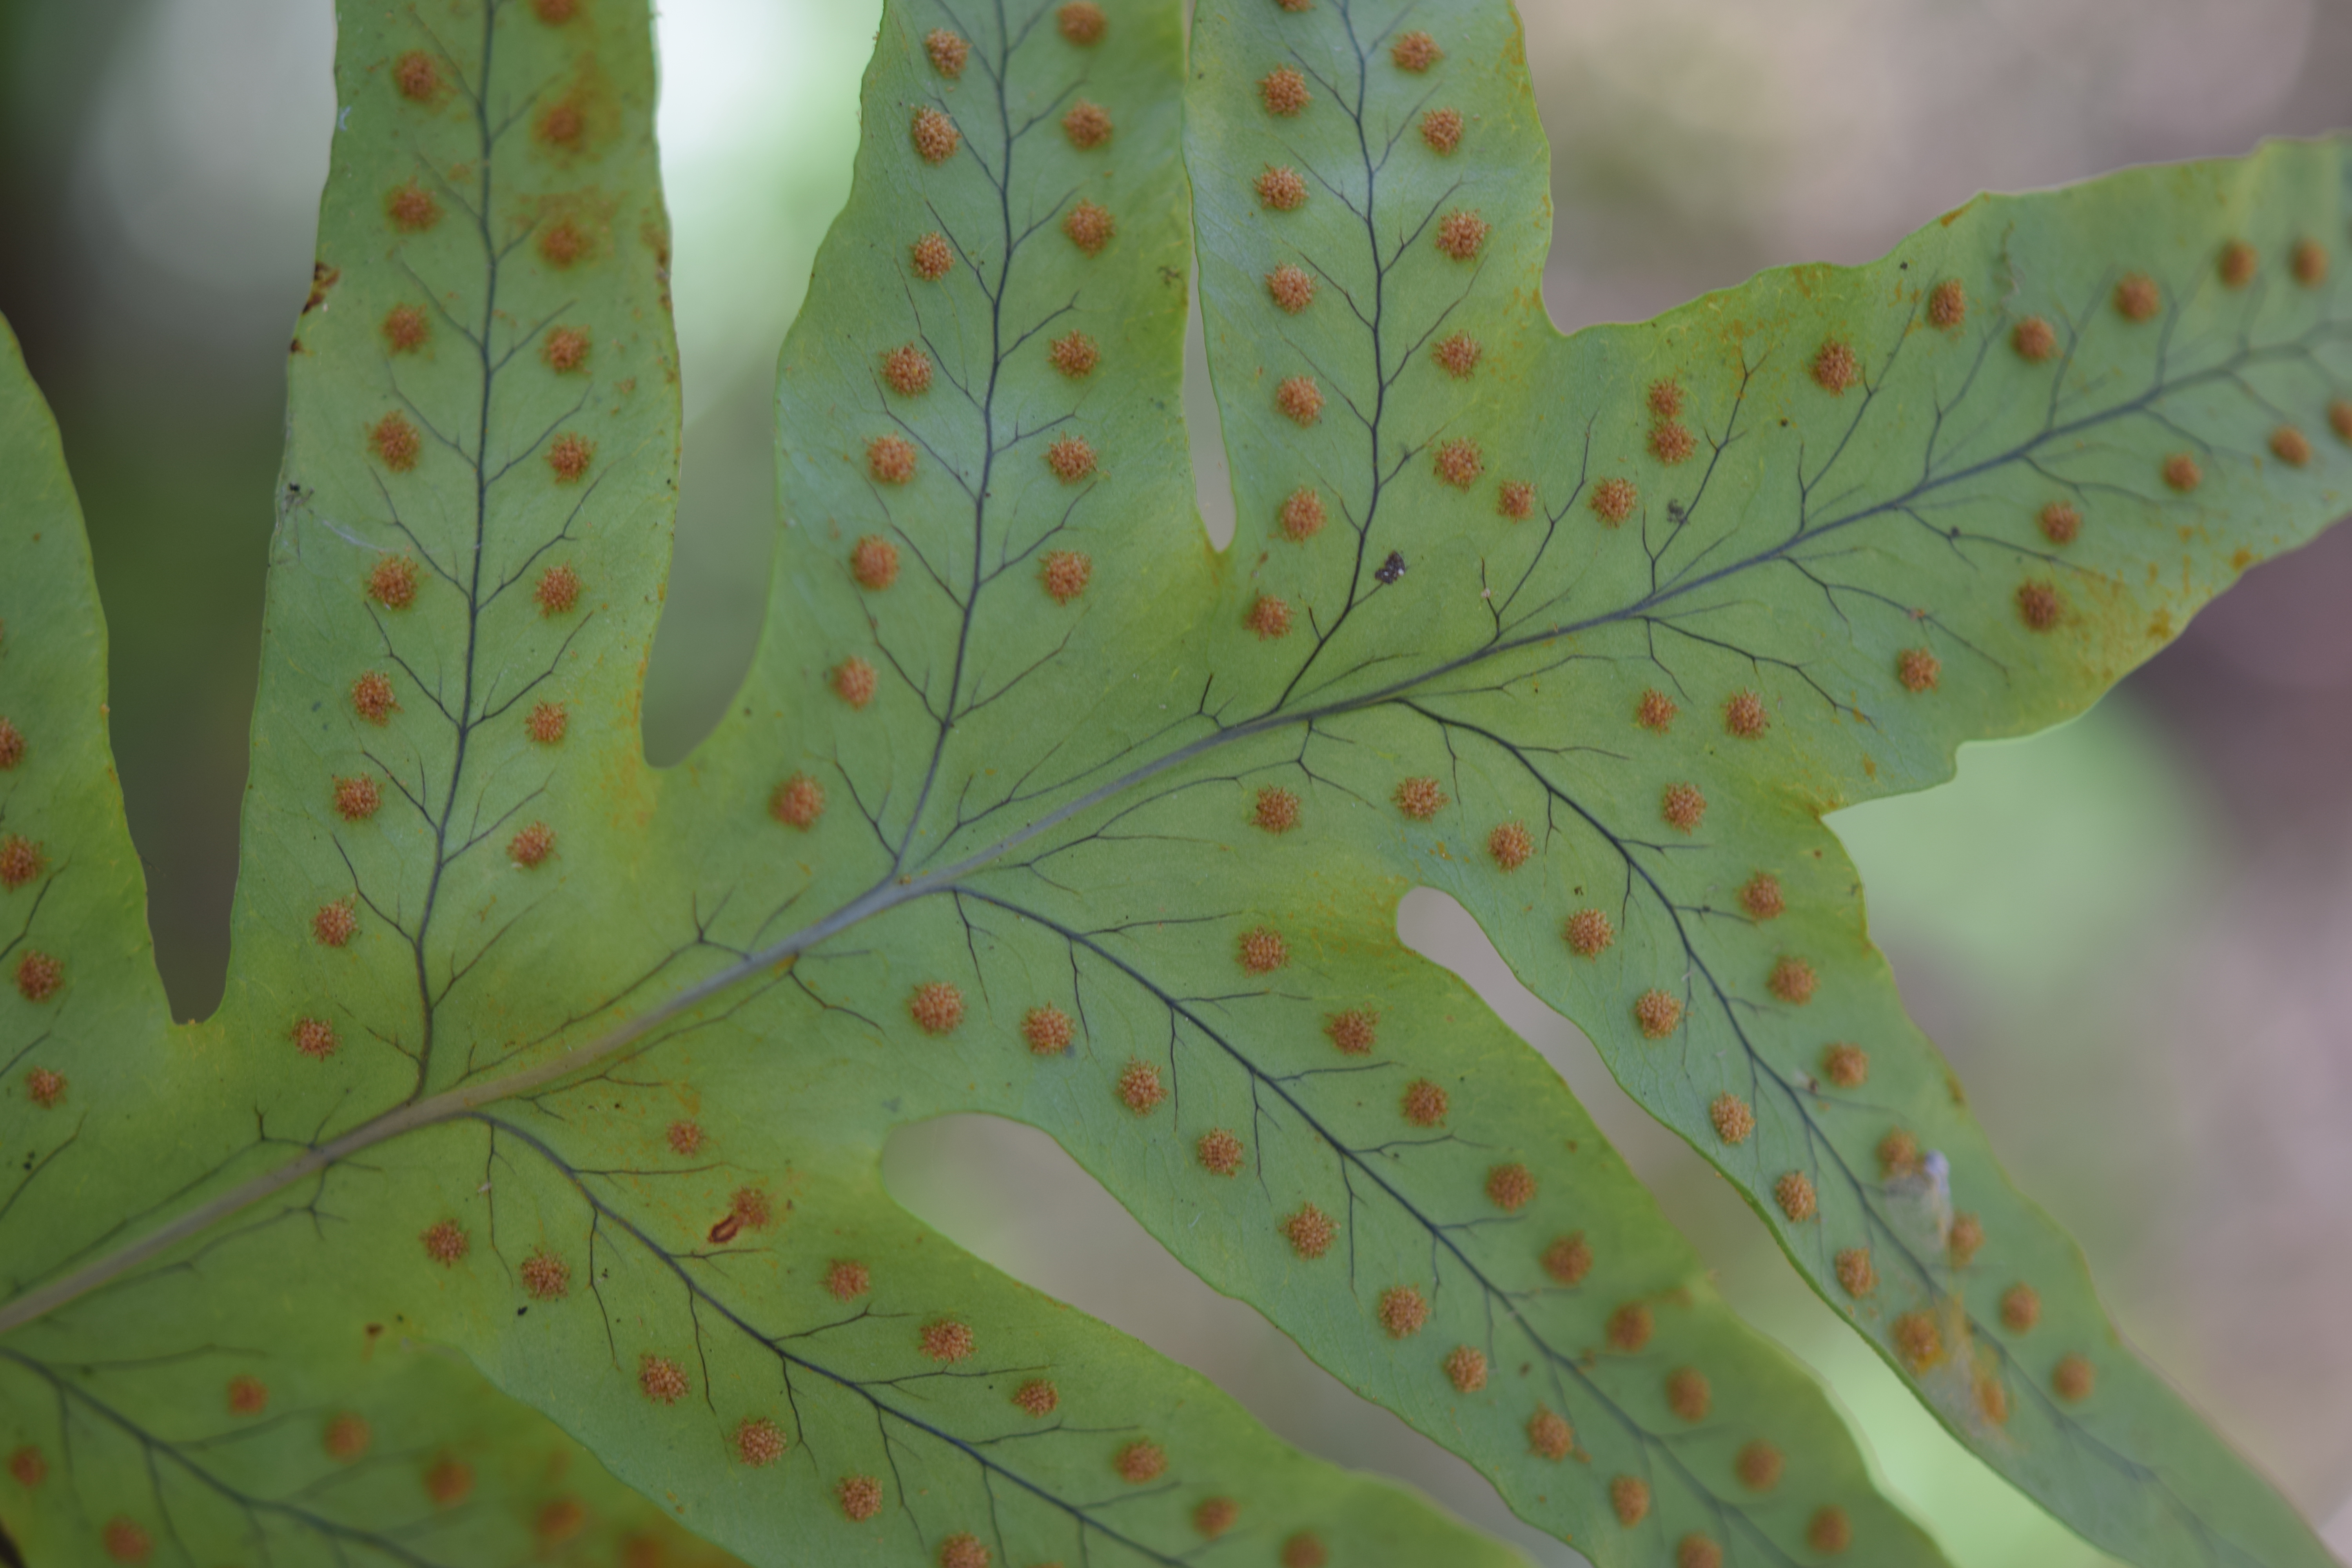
point(547, 1104)
point(1833, 558)
point(249, 1420)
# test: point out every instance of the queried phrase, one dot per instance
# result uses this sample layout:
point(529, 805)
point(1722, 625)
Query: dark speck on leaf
point(1392, 568)
point(1674, 510)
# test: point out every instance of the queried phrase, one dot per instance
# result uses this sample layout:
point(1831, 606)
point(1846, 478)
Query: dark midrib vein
point(427, 1005)
point(970, 608)
point(1325, 636)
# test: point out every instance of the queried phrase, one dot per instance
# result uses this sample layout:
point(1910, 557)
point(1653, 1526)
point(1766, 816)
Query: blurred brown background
point(2130, 935)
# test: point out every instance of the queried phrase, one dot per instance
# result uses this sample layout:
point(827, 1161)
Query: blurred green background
point(2131, 935)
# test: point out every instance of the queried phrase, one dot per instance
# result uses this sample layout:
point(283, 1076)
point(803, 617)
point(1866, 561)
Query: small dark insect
point(724, 1231)
point(1674, 510)
point(1392, 568)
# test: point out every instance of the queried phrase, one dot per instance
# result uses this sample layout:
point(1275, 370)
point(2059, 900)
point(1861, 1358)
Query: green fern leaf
point(578, 1073)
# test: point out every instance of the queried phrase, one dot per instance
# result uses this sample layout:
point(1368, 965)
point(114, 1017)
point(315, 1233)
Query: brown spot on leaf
point(1220, 1152)
point(949, 51)
point(945, 1341)
point(1070, 458)
point(1262, 951)
point(1139, 1088)
point(1835, 367)
point(1074, 355)
point(1613, 500)
point(1732, 1119)
point(1656, 1014)
point(1918, 1342)
point(1947, 304)
point(334, 924)
point(1089, 228)
point(1830, 1531)
point(1569, 1258)
point(1794, 1193)
point(1459, 462)
point(1291, 288)
point(1048, 1030)
point(2038, 604)
point(373, 698)
point(1402, 1312)
point(2138, 299)
point(936, 1006)
point(1415, 51)
point(934, 136)
point(931, 257)
point(1510, 1187)
point(397, 442)
point(1310, 1232)
point(2238, 264)
point(565, 351)
point(1088, 125)
point(1283, 91)
point(412, 209)
point(532, 846)
point(1301, 400)
point(545, 1276)
point(759, 1442)
point(557, 590)
point(1457, 355)
point(1792, 979)
point(417, 75)
point(1462, 234)
point(21, 860)
point(1353, 1032)
point(854, 681)
point(406, 328)
point(1065, 574)
point(44, 1087)
point(570, 456)
point(1215, 1516)
point(1276, 811)
point(1918, 670)
point(1683, 806)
